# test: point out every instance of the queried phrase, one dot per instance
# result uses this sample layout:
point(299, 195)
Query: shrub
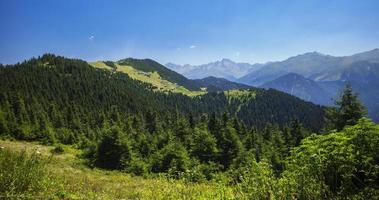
point(257, 182)
point(136, 166)
point(113, 151)
point(339, 164)
point(20, 174)
point(58, 149)
point(173, 158)
point(65, 136)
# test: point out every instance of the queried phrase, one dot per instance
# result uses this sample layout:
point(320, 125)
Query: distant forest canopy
point(251, 137)
point(54, 99)
point(70, 85)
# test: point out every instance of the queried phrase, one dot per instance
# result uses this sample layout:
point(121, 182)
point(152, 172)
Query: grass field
point(152, 78)
point(100, 65)
point(69, 178)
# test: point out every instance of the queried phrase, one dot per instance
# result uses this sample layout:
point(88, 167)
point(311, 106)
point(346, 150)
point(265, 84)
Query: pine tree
point(151, 121)
point(182, 131)
point(214, 126)
point(230, 145)
point(113, 150)
point(296, 132)
point(191, 121)
point(205, 145)
point(19, 110)
point(348, 111)
point(3, 126)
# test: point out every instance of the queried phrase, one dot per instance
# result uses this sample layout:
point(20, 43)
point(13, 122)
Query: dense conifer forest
point(266, 143)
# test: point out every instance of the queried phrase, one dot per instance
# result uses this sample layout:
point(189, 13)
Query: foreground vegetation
point(33, 171)
point(336, 165)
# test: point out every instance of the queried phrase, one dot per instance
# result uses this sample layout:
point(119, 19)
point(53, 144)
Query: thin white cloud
point(237, 54)
point(92, 37)
point(178, 49)
point(192, 46)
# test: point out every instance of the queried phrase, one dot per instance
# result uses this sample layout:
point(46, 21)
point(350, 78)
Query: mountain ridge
point(301, 87)
point(224, 68)
point(320, 72)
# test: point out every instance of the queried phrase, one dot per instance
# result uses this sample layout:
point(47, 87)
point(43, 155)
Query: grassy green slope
point(153, 77)
point(148, 65)
point(69, 178)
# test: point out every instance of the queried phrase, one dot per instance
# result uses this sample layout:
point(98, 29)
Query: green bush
point(340, 164)
point(257, 182)
point(137, 167)
point(58, 149)
point(173, 158)
point(20, 174)
point(113, 150)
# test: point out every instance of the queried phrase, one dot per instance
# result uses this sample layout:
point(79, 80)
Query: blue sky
point(184, 31)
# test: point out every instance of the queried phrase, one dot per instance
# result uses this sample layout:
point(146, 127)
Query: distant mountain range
point(313, 76)
point(316, 66)
point(221, 69)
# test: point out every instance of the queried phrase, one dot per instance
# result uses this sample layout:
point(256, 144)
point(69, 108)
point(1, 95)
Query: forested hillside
point(57, 99)
point(121, 123)
point(219, 84)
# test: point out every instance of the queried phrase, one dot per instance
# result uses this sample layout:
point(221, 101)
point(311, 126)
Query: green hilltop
point(161, 79)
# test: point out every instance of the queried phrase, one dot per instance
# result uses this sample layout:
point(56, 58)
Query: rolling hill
point(74, 88)
point(148, 65)
point(159, 77)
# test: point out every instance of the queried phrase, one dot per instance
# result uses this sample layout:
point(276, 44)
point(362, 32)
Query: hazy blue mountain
point(363, 76)
point(320, 77)
point(311, 76)
point(180, 68)
point(301, 87)
point(314, 65)
point(219, 84)
point(371, 56)
point(306, 65)
point(225, 68)
point(345, 63)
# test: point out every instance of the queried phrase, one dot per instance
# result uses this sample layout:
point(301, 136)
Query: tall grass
point(21, 174)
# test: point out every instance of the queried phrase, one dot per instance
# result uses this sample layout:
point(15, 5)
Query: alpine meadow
point(88, 110)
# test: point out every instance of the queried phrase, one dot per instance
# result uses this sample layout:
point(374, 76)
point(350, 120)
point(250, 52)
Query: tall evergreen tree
point(204, 145)
point(113, 151)
point(151, 121)
point(348, 111)
point(296, 131)
point(230, 145)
